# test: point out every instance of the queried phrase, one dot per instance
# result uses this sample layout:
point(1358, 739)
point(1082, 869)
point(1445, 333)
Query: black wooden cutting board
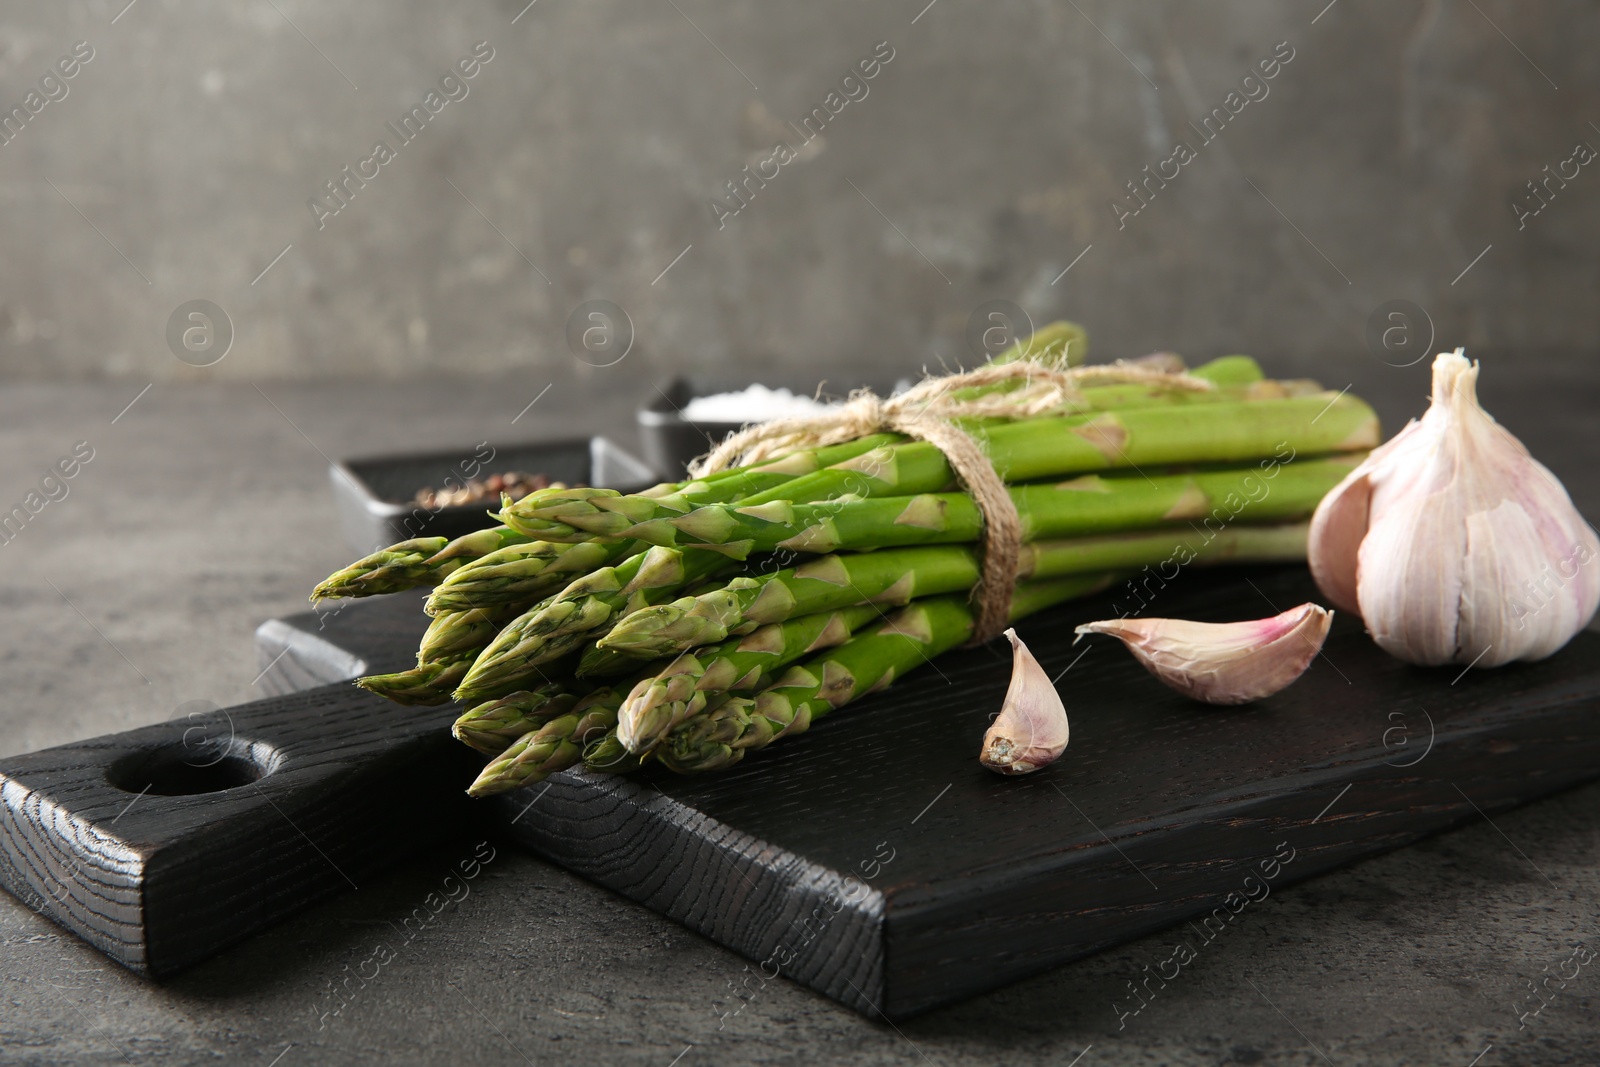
point(870, 858)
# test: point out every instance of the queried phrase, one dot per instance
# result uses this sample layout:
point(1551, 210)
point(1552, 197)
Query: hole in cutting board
point(179, 770)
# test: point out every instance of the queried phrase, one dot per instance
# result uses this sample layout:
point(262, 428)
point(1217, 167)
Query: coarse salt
point(757, 403)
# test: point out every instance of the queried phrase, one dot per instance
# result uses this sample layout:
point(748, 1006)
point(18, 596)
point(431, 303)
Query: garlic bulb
point(1227, 662)
point(1453, 543)
point(1031, 730)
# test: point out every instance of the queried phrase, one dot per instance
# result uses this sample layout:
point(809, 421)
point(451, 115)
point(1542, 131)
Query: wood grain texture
point(872, 859)
point(305, 795)
point(811, 923)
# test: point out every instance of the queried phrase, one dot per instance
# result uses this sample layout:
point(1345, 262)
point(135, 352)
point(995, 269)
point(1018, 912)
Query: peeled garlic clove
point(1031, 730)
point(1224, 663)
point(1459, 546)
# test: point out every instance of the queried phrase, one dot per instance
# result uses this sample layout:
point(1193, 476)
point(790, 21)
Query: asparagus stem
point(1084, 506)
point(477, 544)
point(718, 738)
point(738, 482)
point(1031, 449)
point(428, 560)
point(1243, 543)
point(657, 704)
point(590, 603)
point(519, 573)
point(896, 576)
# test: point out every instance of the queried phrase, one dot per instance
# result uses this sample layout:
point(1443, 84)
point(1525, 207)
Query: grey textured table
point(205, 510)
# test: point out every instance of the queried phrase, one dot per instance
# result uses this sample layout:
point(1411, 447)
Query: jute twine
point(924, 412)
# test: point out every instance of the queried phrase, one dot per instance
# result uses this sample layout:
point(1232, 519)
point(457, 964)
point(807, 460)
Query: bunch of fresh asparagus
point(696, 622)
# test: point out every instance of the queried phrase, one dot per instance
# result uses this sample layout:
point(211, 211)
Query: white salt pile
point(756, 403)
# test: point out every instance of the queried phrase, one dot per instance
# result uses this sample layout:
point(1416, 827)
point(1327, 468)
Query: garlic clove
point(1031, 730)
point(1224, 663)
point(1468, 549)
point(1339, 524)
point(1409, 580)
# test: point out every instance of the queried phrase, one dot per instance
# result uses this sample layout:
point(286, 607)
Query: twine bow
point(925, 413)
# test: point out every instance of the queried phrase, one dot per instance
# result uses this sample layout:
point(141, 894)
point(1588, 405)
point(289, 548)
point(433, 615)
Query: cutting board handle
point(161, 845)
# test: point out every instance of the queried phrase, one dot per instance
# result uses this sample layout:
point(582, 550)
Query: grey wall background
point(980, 165)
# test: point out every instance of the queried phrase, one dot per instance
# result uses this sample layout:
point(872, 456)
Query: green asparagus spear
point(491, 727)
point(388, 570)
point(520, 574)
point(420, 561)
point(531, 759)
point(717, 738)
point(896, 576)
point(448, 648)
point(1142, 437)
point(573, 617)
point(455, 633)
point(426, 561)
point(1084, 506)
point(426, 685)
point(478, 544)
point(525, 572)
point(555, 746)
point(682, 689)
point(544, 513)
